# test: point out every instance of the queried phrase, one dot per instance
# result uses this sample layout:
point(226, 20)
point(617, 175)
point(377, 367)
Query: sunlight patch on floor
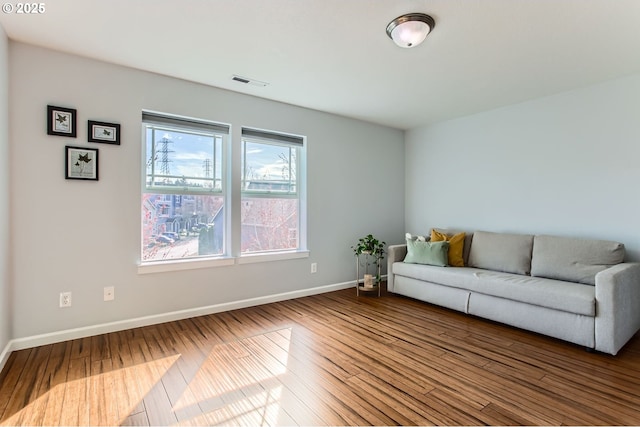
point(107, 398)
point(238, 382)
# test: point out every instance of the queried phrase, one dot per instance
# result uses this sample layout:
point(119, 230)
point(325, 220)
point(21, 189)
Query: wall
point(82, 236)
point(5, 291)
point(565, 164)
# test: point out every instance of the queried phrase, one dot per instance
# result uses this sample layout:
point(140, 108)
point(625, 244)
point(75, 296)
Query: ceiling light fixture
point(411, 29)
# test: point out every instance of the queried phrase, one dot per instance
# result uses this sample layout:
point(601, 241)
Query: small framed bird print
point(61, 121)
point(108, 133)
point(81, 163)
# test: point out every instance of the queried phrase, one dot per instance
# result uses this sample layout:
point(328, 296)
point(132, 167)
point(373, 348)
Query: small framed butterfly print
point(81, 163)
point(108, 133)
point(61, 121)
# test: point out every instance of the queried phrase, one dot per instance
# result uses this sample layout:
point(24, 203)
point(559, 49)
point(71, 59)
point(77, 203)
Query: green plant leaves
point(370, 245)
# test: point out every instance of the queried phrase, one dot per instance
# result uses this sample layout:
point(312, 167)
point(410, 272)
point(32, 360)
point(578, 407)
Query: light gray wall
point(5, 289)
point(567, 164)
point(81, 236)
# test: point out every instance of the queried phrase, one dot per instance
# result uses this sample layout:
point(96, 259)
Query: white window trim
point(177, 122)
point(299, 141)
point(225, 260)
point(251, 258)
point(183, 264)
point(196, 263)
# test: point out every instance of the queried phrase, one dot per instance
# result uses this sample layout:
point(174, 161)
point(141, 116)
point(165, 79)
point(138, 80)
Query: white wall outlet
point(314, 267)
point(109, 293)
point(65, 299)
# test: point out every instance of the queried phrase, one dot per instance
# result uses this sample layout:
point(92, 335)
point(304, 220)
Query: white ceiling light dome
point(411, 29)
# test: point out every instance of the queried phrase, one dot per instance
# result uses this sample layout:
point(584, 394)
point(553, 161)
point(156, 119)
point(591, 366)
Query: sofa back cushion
point(574, 260)
point(510, 253)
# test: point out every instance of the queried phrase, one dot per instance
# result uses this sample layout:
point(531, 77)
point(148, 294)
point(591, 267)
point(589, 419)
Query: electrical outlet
point(109, 293)
point(65, 299)
point(314, 267)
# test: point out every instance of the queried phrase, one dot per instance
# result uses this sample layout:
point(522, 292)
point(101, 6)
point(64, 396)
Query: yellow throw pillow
point(456, 246)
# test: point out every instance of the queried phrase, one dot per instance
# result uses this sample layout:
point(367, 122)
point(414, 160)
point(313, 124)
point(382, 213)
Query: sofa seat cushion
point(458, 277)
point(575, 260)
point(555, 294)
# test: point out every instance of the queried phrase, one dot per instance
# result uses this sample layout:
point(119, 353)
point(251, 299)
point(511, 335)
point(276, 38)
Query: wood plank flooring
point(331, 359)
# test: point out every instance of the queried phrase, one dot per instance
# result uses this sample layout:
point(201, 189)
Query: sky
point(187, 152)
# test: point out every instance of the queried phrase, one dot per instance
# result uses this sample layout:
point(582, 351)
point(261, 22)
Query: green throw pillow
point(431, 253)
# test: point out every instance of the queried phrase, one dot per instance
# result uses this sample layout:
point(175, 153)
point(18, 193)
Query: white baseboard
point(4, 356)
point(70, 334)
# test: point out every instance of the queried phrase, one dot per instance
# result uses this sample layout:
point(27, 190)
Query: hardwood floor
point(331, 359)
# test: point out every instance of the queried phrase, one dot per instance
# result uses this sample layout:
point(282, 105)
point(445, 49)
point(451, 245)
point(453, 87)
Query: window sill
point(178, 265)
point(273, 256)
point(191, 264)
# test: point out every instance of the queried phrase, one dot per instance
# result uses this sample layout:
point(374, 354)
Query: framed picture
point(61, 121)
point(108, 133)
point(81, 163)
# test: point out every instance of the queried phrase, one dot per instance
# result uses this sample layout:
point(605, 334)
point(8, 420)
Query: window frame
point(169, 122)
point(290, 141)
point(231, 189)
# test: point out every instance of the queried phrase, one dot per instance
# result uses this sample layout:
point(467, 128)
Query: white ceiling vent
point(248, 81)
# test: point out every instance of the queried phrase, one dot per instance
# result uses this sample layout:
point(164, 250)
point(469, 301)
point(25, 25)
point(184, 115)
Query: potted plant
point(369, 245)
point(373, 248)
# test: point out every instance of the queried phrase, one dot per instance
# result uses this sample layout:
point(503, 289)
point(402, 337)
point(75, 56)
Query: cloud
point(200, 156)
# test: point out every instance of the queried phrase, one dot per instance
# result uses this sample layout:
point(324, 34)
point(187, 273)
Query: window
point(272, 177)
point(183, 200)
point(187, 188)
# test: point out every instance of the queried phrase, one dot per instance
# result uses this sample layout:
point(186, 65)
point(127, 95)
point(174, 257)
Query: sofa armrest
point(395, 253)
point(617, 306)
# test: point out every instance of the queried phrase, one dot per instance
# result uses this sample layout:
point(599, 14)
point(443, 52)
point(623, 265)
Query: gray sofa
point(576, 290)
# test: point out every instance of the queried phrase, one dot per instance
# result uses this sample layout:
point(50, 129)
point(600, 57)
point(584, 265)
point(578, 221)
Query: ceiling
point(334, 55)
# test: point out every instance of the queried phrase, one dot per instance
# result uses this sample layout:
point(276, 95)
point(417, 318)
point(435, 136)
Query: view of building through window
point(269, 224)
point(181, 226)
